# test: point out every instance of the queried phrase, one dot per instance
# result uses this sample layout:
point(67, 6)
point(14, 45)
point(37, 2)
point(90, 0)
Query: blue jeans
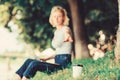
point(31, 66)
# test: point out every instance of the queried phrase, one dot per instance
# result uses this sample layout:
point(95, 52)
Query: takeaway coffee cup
point(77, 70)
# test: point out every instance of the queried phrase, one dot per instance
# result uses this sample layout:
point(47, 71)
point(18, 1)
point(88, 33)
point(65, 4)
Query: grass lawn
point(101, 69)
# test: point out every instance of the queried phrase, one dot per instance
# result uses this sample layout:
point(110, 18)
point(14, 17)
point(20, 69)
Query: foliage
point(100, 15)
point(101, 69)
point(32, 18)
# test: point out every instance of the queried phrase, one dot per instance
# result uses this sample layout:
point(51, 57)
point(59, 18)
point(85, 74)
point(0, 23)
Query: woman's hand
point(43, 58)
point(47, 54)
point(68, 37)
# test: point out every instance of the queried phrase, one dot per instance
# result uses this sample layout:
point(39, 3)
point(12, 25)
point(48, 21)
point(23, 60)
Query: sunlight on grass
point(101, 69)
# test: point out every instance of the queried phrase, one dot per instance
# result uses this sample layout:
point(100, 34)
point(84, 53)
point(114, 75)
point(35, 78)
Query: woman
point(62, 42)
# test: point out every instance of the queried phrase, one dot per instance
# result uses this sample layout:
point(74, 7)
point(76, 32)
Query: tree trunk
point(117, 48)
point(80, 38)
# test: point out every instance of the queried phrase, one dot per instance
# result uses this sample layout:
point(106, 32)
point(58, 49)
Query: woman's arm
point(68, 36)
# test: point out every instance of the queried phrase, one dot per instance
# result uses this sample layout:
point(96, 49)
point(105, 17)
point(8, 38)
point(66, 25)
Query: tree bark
point(80, 38)
point(117, 48)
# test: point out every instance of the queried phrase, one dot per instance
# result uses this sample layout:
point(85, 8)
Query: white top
point(58, 43)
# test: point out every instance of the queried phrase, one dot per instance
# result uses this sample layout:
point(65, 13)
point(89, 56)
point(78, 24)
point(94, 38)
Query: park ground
point(8, 73)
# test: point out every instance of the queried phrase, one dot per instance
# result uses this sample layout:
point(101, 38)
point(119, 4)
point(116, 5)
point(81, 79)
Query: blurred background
point(24, 26)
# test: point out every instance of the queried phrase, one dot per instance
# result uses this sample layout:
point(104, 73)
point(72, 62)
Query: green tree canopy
point(32, 18)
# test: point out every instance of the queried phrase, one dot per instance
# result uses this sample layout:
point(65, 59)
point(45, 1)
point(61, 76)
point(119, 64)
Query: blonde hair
point(63, 11)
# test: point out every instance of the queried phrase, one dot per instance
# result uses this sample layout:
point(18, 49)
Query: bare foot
point(24, 78)
point(17, 77)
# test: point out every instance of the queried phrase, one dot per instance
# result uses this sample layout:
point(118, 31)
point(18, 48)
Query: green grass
point(101, 69)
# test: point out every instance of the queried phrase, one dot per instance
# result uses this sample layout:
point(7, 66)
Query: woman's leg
point(36, 65)
point(24, 78)
point(22, 69)
point(17, 77)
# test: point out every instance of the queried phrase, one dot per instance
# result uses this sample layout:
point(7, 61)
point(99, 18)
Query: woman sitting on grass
point(62, 42)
